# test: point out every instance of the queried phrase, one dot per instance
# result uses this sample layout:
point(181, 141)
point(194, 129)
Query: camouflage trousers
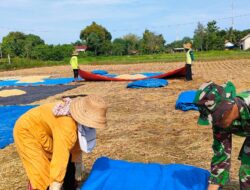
point(244, 173)
point(221, 160)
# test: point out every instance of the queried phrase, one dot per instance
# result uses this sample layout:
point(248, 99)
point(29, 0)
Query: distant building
point(133, 52)
point(228, 45)
point(178, 49)
point(245, 42)
point(81, 48)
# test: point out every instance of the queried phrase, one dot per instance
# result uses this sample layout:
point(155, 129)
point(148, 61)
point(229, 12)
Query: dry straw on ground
point(131, 77)
point(26, 79)
point(143, 124)
point(12, 92)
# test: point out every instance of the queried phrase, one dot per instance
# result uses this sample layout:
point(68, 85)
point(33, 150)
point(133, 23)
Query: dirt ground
point(143, 125)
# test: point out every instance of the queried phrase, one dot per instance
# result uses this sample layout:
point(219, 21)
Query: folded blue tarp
point(185, 101)
point(110, 174)
point(8, 117)
point(151, 74)
point(99, 72)
point(110, 75)
point(49, 81)
point(148, 83)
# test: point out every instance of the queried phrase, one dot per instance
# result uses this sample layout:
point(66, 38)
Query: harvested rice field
point(143, 125)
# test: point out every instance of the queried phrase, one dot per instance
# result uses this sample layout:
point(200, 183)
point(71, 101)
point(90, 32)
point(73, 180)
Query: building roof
point(181, 48)
point(247, 36)
point(229, 44)
point(82, 47)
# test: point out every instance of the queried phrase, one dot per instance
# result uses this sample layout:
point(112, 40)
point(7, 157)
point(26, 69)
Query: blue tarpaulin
point(151, 74)
point(48, 81)
point(99, 72)
point(8, 117)
point(148, 83)
point(185, 101)
point(110, 75)
point(108, 174)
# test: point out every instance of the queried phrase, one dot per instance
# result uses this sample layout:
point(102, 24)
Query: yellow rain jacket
point(74, 62)
point(44, 143)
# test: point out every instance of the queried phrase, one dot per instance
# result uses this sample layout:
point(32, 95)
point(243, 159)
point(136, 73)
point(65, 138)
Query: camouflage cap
point(213, 100)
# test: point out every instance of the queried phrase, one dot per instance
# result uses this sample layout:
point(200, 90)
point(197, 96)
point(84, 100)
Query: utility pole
point(232, 14)
point(9, 59)
point(1, 54)
point(177, 32)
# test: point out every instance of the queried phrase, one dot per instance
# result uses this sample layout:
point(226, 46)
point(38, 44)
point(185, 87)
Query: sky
point(60, 21)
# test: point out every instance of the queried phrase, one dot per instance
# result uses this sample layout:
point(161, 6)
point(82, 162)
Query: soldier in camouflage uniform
point(229, 114)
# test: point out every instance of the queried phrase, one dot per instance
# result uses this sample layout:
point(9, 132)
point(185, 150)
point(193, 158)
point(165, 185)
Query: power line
point(232, 14)
point(115, 30)
point(221, 18)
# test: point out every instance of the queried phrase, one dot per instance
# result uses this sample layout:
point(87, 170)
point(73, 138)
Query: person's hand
point(79, 171)
point(213, 187)
point(230, 116)
point(55, 186)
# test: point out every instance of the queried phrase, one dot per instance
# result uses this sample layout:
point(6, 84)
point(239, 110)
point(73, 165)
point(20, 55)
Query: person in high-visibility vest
point(74, 65)
point(50, 140)
point(189, 60)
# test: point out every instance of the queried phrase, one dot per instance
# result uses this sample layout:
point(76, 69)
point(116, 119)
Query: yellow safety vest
point(74, 62)
point(188, 57)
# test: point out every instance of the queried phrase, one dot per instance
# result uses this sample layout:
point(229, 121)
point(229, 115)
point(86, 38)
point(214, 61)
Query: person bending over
point(50, 139)
point(229, 114)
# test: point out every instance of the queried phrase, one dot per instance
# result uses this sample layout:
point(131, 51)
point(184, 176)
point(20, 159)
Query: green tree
point(50, 52)
point(13, 44)
point(106, 48)
point(94, 43)
point(66, 50)
point(178, 43)
point(212, 40)
point(42, 52)
point(79, 43)
point(132, 43)
point(230, 35)
point(199, 36)
point(119, 47)
point(95, 36)
point(175, 44)
point(152, 43)
point(30, 42)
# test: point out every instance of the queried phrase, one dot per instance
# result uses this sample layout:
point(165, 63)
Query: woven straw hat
point(187, 45)
point(89, 111)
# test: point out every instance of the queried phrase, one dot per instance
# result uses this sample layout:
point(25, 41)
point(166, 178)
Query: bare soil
point(143, 124)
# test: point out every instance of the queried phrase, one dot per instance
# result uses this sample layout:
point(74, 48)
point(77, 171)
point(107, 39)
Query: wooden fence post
point(9, 58)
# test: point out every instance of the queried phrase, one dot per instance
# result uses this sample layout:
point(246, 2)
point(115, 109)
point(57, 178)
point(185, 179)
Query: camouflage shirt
point(241, 126)
point(213, 100)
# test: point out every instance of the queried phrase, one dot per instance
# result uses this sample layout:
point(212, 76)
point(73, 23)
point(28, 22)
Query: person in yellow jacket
point(74, 65)
point(50, 136)
point(189, 60)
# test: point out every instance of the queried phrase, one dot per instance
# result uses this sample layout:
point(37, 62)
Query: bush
point(50, 52)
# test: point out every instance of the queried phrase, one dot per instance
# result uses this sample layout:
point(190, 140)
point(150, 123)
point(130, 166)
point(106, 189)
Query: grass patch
point(166, 57)
point(20, 63)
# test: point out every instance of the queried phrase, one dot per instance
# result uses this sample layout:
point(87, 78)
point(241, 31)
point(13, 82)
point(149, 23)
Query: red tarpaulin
point(88, 76)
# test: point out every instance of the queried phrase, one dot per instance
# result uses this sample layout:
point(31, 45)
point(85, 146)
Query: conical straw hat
point(89, 111)
point(187, 45)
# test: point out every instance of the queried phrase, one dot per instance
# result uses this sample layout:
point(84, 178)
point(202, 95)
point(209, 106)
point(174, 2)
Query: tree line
point(211, 37)
point(99, 42)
